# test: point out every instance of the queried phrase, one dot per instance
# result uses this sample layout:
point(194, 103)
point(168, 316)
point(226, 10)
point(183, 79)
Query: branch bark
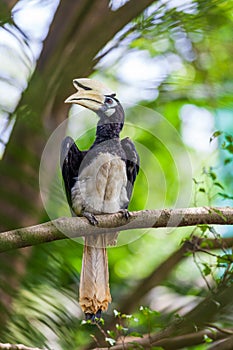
point(162, 271)
point(191, 326)
point(226, 344)
point(172, 343)
point(197, 318)
point(78, 226)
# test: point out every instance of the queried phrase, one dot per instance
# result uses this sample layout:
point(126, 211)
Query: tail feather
point(94, 293)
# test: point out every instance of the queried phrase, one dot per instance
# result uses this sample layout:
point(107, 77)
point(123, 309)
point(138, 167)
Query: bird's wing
point(132, 163)
point(70, 161)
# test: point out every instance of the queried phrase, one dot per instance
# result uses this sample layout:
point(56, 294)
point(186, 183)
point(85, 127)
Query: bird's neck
point(107, 131)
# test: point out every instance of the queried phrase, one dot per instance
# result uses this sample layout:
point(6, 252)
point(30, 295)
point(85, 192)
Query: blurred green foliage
point(198, 36)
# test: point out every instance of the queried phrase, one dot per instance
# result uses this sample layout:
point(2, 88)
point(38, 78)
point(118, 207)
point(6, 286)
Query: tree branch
point(189, 327)
point(161, 272)
point(173, 343)
point(78, 226)
point(226, 344)
point(197, 318)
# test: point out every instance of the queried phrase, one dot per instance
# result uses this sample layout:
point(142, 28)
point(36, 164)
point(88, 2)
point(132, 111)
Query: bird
point(99, 180)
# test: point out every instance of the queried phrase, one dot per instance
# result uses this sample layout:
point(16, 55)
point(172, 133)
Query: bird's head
point(98, 98)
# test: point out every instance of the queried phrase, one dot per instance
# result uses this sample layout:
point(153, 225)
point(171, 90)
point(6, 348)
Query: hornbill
point(99, 180)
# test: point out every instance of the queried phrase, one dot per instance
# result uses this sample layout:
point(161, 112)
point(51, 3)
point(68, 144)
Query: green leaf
point(201, 189)
point(147, 311)
point(116, 313)
point(203, 227)
point(126, 316)
point(207, 244)
point(207, 339)
point(229, 138)
point(217, 211)
point(99, 320)
point(219, 185)
point(215, 134)
point(228, 160)
point(226, 258)
point(212, 175)
point(119, 327)
point(229, 148)
point(86, 322)
point(136, 334)
point(111, 334)
point(207, 270)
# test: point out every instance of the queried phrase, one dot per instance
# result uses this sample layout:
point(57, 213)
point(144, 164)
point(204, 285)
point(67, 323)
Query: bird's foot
point(93, 317)
point(91, 218)
point(125, 213)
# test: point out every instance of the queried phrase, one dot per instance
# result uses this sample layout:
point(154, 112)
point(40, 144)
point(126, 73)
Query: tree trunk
point(79, 30)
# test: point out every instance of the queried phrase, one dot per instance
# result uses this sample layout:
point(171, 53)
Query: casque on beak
point(90, 94)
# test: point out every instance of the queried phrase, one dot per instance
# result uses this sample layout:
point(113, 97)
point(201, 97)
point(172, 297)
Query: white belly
point(101, 186)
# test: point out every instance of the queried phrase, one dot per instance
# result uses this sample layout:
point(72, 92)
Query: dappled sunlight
point(170, 65)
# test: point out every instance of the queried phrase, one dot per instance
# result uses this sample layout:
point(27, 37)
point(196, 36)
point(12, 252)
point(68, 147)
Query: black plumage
point(98, 180)
point(71, 159)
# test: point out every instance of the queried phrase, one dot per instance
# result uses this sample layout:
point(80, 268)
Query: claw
point(125, 213)
point(93, 317)
point(89, 317)
point(91, 218)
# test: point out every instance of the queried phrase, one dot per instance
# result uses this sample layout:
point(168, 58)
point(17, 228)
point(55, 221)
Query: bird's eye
point(109, 101)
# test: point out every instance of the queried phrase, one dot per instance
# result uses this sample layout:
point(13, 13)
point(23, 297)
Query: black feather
point(70, 160)
point(132, 163)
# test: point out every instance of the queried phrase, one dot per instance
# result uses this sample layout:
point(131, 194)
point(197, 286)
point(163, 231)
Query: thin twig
point(223, 330)
point(130, 301)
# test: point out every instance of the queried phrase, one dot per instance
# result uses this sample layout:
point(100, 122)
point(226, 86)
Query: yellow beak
point(90, 94)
